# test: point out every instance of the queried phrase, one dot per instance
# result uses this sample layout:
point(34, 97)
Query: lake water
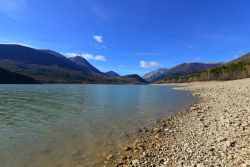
point(68, 125)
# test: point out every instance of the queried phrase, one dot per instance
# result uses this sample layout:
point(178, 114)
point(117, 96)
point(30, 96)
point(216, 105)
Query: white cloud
point(12, 7)
point(18, 43)
point(100, 58)
point(70, 54)
point(87, 56)
point(149, 64)
point(98, 38)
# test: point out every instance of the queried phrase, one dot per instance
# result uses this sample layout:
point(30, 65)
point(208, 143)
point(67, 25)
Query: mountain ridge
point(136, 76)
point(47, 66)
point(179, 70)
point(84, 63)
point(112, 74)
point(238, 68)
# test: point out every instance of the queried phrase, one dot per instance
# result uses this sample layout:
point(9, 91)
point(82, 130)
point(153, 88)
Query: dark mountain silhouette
point(54, 53)
point(27, 55)
point(42, 65)
point(7, 77)
point(47, 66)
point(179, 70)
point(135, 77)
point(112, 74)
point(85, 64)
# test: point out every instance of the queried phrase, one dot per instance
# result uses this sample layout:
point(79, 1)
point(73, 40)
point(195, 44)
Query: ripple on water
point(65, 125)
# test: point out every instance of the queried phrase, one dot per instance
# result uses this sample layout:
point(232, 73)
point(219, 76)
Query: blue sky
point(131, 36)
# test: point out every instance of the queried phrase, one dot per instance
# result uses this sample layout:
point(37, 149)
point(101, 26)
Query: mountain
point(53, 53)
point(85, 64)
point(244, 58)
point(112, 74)
point(43, 66)
point(47, 66)
point(179, 70)
point(154, 75)
point(7, 77)
point(27, 55)
point(236, 69)
point(135, 77)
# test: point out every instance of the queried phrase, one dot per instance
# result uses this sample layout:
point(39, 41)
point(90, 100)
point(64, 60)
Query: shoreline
point(214, 131)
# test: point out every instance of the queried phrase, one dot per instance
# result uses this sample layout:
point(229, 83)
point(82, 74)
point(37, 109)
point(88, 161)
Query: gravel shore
point(214, 132)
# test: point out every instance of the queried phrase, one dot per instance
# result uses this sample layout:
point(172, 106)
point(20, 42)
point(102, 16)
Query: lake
point(67, 125)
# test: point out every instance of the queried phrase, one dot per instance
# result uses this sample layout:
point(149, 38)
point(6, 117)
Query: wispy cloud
point(98, 38)
point(149, 64)
point(87, 56)
point(197, 59)
point(100, 58)
point(19, 43)
point(238, 53)
point(99, 42)
point(99, 12)
point(13, 7)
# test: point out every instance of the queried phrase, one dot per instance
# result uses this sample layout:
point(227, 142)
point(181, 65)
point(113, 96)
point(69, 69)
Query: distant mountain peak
point(84, 63)
point(135, 76)
point(244, 58)
point(112, 74)
point(179, 70)
point(53, 53)
point(22, 64)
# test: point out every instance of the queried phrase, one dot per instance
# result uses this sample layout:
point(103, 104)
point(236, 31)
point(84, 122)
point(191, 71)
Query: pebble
point(214, 132)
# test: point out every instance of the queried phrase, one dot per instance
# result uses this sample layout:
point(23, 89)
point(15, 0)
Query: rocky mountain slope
point(179, 70)
point(235, 69)
point(155, 75)
point(85, 64)
point(244, 58)
point(47, 66)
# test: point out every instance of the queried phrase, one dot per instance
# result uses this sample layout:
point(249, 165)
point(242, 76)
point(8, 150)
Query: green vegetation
point(225, 72)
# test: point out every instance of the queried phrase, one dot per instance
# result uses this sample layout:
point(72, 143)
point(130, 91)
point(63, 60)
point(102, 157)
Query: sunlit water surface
point(68, 125)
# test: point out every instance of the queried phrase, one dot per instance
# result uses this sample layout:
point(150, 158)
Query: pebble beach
point(213, 132)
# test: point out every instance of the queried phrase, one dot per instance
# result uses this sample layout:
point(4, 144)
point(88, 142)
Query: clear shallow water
point(68, 125)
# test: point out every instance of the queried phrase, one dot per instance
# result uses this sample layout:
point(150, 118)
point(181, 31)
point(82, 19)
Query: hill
point(154, 75)
point(112, 74)
point(136, 78)
point(235, 69)
point(47, 66)
point(7, 77)
point(85, 64)
point(244, 58)
point(179, 70)
point(44, 66)
point(27, 55)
